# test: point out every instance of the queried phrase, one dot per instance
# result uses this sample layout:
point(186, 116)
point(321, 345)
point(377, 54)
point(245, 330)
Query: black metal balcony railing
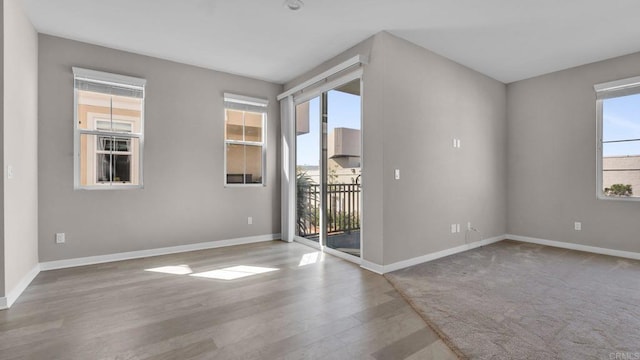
point(343, 208)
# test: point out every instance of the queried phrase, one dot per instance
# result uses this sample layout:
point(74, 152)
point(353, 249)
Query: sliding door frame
point(321, 91)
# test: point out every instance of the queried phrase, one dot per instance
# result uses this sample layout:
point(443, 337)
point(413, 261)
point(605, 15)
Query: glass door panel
point(328, 168)
point(343, 168)
point(308, 199)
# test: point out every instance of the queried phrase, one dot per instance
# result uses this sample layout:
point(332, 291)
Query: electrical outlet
point(9, 172)
point(453, 228)
point(457, 228)
point(60, 238)
point(577, 226)
point(249, 220)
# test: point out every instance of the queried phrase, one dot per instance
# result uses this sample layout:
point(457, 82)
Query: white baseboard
point(571, 246)
point(91, 260)
point(383, 269)
point(12, 296)
point(371, 266)
point(440, 254)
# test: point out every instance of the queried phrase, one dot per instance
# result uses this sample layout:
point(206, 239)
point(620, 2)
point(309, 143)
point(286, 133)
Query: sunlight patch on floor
point(311, 258)
point(234, 272)
point(172, 269)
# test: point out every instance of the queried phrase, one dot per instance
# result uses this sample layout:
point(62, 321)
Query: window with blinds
point(109, 130)
point(244, 139)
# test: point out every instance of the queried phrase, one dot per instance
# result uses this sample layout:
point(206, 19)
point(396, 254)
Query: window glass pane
point(104, 125)
point(103, 143)
point(115, 144)
point(107, 160)
point(103, 168)
point(621, 169)
point(87, 159)
point(111, 167)
point(127, 114)
point(92, 106)
point(233, 125)
point(621, 118)
point(116, 125)
point(235, 164)
point(625, 148)
point(253, 155)
point(244, 126)
point(121, 165)
point(253, 126)
point(121, 144)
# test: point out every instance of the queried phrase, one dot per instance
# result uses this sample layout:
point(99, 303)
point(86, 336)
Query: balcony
point(343, 215)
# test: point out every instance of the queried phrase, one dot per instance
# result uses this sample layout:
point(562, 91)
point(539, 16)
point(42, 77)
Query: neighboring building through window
point(618, 115)
point(244, 136)
point(109, 128)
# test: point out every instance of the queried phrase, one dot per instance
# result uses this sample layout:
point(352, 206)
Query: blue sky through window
point(343, 111)
point(621, 121)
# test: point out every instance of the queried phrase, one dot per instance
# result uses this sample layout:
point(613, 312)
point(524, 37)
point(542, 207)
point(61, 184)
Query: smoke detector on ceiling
point(294, 5)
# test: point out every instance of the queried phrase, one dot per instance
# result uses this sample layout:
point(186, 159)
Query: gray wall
point(428, 100)
point(183, 200)
point(414, 103)
point(552, 159)
point(20, 144)
point(2, 272)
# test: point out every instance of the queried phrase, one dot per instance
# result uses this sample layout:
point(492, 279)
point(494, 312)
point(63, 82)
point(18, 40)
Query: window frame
point(604, 91)
point(115, 80)
point(245, 104)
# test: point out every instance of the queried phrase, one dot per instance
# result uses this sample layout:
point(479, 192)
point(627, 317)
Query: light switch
point(396, 174)
point(9, 172)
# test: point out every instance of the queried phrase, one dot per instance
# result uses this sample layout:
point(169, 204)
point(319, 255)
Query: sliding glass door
point(308, 136)
point(328, 168)
point(343, 174)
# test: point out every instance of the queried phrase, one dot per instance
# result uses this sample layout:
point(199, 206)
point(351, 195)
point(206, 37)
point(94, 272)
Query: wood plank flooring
point(313, 306)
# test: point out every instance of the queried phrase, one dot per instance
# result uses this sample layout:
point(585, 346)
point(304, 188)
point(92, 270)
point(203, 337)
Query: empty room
point(306, 179)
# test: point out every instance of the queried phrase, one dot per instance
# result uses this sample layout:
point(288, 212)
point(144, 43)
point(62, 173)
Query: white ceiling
point(508, 40)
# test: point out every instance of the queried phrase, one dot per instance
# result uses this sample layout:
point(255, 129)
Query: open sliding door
point(328, 169)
